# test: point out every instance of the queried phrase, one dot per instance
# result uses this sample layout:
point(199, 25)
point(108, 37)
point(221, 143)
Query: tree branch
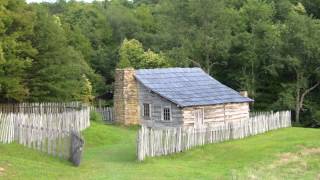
point(196, 63)
point(307, 92)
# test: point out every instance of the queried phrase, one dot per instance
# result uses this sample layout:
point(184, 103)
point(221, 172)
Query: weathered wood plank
point(156, 142)
point(43, 126)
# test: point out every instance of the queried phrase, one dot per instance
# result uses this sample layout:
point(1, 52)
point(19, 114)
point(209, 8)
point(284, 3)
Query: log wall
point(217, 114)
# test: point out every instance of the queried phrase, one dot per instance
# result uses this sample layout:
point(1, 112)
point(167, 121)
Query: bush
point(95, 116)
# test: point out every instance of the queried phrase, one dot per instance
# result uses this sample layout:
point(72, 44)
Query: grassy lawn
point(292, 153)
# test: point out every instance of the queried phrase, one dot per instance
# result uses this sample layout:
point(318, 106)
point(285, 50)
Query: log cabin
point(175, 97)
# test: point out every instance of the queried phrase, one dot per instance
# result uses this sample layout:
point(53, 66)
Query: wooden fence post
point(156, 142)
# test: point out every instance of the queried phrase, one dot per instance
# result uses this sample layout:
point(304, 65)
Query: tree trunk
point(297, 120)
point(208, 63)
point(298, 94)
point(252, 80)
point(301, 96)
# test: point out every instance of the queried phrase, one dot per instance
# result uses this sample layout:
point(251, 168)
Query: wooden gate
point(77, 144)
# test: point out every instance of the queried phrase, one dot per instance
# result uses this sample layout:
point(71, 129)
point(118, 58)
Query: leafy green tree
point(68, 50)
point(86, 90)
point(16, 52)
point(132, 55)
point(151, 59)
point(89, 32)
point(301, 37)
point(130, 52)
point(211, 33)
point(255, 50)
point(58, 68)
point(123, 21)
point(312, 7)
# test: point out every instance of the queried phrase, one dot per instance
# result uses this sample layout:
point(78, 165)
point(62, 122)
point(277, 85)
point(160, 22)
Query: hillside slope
point(110, 154)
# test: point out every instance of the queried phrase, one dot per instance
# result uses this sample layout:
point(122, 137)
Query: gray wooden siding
point(213, 115)
point(157, 102)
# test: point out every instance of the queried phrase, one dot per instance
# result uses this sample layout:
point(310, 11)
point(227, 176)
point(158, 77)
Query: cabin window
point(146, 110)
point(166, 113)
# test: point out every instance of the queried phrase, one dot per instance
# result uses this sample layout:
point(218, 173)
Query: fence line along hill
point(46, 127)
point(157, 142)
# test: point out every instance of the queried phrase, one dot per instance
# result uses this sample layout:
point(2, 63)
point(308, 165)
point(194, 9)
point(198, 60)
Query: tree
point(255, 51)
point(198, 32)
point(86, 90)
point(211, 34)
point(312, 7)
point(132, 55)
point(16, 51)
point(58, 69)
point(89, 32)
point(57, 51)
point(301, 48)
point(151, 59)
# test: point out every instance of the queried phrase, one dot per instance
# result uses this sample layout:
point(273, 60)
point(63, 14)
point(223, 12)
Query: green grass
point(110, 154)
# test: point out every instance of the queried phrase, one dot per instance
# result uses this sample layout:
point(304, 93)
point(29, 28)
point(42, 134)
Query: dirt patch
point(294, 164)
point(286, 158)
point(1, 171)
point(310, 151)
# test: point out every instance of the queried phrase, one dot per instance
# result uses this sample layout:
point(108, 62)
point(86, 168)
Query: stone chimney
point(244, 93)
point(126, 99)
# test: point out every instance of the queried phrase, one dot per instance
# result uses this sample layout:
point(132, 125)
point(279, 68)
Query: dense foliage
point(67, 50)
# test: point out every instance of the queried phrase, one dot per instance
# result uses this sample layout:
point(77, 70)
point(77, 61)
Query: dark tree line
point(68, 50)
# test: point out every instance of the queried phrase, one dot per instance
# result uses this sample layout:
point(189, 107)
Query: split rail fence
point(46, 127)
point(157, 142)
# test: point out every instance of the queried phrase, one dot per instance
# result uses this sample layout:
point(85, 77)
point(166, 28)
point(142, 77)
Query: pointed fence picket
point(157, 142)
point(106, 113)
point(46, 127)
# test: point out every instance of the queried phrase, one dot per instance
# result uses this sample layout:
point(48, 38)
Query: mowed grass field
point(292, 153)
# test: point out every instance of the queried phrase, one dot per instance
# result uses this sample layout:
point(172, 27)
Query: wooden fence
point(106, 113)
point(45, 128)
point(156, 142)
point(41, 108)
point(51, 141)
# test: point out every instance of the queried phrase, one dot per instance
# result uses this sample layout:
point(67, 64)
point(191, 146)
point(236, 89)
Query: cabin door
point(198, 115)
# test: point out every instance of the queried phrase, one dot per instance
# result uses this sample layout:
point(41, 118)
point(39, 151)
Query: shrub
point(95, 116)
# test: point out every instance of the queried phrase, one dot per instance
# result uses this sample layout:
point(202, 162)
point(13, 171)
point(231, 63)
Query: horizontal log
point(214, 119)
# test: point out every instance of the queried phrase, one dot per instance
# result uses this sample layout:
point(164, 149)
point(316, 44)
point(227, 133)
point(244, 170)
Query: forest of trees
point(69, 50)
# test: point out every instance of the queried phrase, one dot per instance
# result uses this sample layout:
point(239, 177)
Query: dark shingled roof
point(188, 86)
